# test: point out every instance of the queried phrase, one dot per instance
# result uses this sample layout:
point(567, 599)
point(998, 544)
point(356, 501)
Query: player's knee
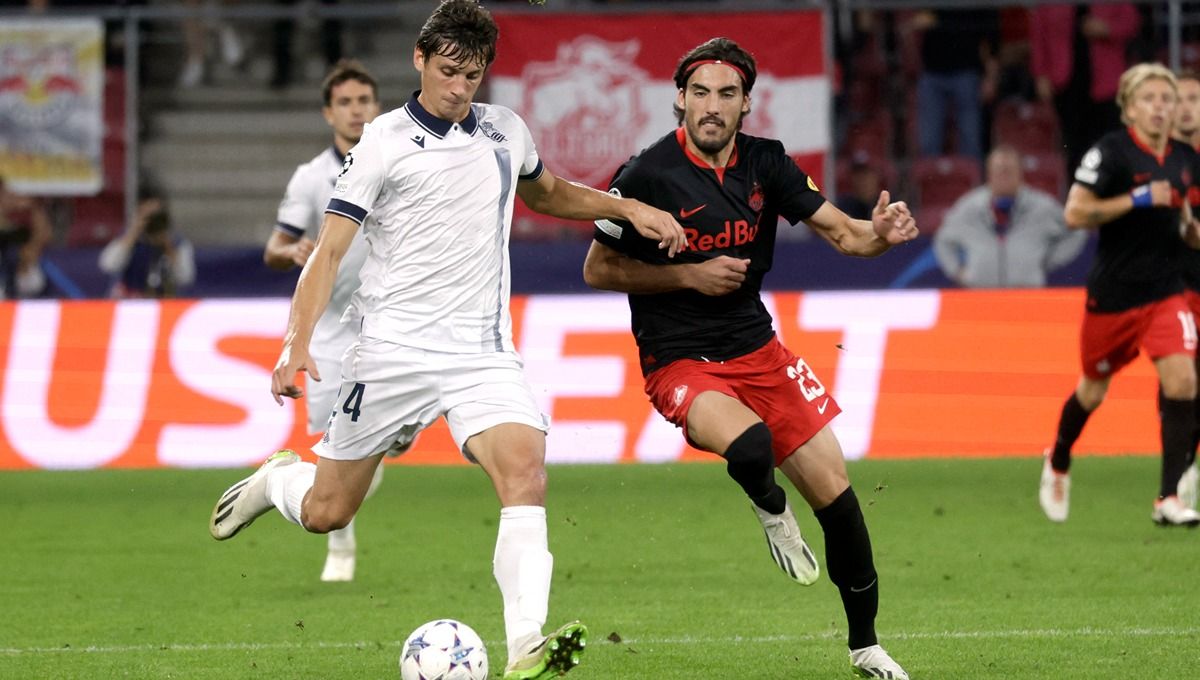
point(1181, 386)
point(522, 483)
point(1091, 393)
point(324, 518)
point(751, 452)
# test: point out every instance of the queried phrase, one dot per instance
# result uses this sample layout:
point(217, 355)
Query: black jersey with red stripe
point(731, 211)
point(1191, 258)
point(1140, 257)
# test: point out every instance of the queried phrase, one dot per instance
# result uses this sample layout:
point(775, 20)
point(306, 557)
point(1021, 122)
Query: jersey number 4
point(810, 387)
point(354, 402)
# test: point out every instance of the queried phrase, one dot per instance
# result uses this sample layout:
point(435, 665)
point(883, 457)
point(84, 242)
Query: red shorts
point(774, 383)
point(1193, 301)
point(1110, 341)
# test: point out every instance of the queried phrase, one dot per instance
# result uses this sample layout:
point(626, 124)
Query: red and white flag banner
point(596, 89)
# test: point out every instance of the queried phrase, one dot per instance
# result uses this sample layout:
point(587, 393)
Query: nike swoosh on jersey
point(821, 408)
point(684, 214)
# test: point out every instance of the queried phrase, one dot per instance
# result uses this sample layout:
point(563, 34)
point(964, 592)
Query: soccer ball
point(444, 650)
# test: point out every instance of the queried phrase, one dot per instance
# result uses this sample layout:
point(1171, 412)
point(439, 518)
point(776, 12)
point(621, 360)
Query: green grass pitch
point(112, 574)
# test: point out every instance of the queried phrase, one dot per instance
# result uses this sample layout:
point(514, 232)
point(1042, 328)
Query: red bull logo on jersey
point(735, 233)
point(585, 107)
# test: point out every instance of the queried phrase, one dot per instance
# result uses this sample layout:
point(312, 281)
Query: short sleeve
point(1100, 169)
point(531, 165)
point(296, 216)
point(361, 179)
point(620, 235)
point(792, 191)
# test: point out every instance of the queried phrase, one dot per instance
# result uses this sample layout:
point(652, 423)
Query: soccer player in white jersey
point(432, 184)
point(351, 99)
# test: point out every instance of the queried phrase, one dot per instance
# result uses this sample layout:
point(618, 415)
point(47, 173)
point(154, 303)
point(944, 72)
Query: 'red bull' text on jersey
point(731, 211)
point(435, 201)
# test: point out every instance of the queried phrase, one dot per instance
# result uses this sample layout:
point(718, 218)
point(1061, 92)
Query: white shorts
point(319, 396)
point(390, 392)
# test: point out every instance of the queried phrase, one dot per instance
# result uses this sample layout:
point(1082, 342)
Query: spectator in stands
point(24, 233)
point(150, 259)
point(1005, 233)
point(859, 199)
point(1077, 56)
point(958, 68)
point(196, 32)
point(284, 29)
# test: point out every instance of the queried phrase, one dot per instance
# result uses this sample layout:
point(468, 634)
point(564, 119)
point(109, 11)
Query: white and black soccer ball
point(444, 650)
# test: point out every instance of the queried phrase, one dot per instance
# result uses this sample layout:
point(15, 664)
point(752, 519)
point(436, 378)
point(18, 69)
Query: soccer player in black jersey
point(712, 363)
point(1187, 131)
point(1132, 186)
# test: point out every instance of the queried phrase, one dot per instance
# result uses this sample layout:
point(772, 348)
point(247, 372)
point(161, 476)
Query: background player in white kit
point(433, 185)
point(351, 100)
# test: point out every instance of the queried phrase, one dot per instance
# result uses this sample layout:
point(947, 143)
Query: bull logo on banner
point(585, 107)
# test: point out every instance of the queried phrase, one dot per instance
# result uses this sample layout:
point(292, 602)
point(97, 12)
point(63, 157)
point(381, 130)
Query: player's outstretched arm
point(284, 251)
point(1086, 210)
point(890, 224)
point(558, 197)
point(608, 269)
point(312, 294)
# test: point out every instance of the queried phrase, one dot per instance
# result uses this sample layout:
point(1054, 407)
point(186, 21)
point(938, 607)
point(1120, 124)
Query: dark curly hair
point(716, 49)
point(460, 30)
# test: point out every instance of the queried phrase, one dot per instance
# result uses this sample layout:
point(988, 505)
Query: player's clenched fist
point(719, 276)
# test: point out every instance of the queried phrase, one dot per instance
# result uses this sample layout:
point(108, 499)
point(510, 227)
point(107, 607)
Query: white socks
point(287, 486)
point(522, 565)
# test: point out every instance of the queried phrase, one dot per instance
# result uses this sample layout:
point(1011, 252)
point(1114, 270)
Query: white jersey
point(300, 214)
point(440, 199)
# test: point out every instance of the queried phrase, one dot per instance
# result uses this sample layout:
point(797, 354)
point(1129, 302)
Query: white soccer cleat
point(339, 566)
point(247, 500)
point(788, 548)
point(1170, 512)
point(874, 662)
point(1187, 488)
point(1054, 492)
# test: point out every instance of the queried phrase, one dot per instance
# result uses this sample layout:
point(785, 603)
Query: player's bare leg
point(514, 457)
point(818, 470)
point(717, 422)
point(341, 557)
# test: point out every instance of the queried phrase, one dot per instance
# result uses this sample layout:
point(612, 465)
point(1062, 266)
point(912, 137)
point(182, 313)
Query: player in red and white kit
point(1131, 186)
point(712, 363)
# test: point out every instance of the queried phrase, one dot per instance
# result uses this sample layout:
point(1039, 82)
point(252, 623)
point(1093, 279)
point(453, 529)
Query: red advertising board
point(597, 88)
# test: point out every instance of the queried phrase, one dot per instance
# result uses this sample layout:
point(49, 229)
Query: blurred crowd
point(975, 118)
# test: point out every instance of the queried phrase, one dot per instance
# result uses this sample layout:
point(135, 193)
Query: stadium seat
point(1030, 127)
point(872, 135)
point(887, 172)
point(929, 218)
point(940, 180)
point(96, 220)
point(1045, 171)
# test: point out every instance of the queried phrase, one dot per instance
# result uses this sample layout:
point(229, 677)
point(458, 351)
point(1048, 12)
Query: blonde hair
point(1135, 76)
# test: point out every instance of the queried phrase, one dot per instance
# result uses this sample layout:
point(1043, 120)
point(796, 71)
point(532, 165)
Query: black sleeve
point(1103, 170)
point(628, 182)
point(791, 190)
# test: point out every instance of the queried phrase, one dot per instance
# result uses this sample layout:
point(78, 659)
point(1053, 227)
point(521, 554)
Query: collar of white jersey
point(438, 127)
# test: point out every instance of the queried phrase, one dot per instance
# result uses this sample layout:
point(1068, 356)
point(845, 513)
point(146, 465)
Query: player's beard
point(711, 145)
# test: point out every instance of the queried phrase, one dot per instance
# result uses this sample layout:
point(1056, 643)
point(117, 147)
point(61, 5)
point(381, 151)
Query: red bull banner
point(595, 89)
point(145, 383)
point(51, 108)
